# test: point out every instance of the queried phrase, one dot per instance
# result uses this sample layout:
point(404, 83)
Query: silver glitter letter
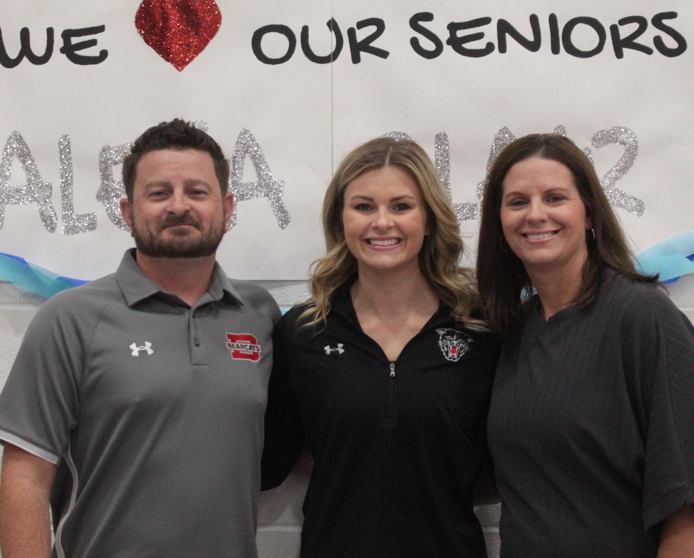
point(112, 190)
point(442, 157)
point(397, 136)
point(627, 138)
point(72, 224)
point(265, 187)
point(464, 211)
point(35, 190)
point(503, 139)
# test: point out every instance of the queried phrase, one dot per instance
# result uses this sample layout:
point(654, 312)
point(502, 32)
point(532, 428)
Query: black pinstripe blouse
point(591, 426)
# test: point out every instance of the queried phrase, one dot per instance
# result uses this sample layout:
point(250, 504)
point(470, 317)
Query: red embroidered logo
point(243, 346)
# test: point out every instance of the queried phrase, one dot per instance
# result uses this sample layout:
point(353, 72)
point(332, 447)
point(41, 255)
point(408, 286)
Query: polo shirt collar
point(136, 286)
point(220, 285)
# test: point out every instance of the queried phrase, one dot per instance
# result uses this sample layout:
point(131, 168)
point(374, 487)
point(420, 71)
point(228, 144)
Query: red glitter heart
point(178, 30)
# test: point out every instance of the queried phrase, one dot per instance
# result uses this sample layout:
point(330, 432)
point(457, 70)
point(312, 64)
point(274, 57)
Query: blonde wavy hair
point(440, 254)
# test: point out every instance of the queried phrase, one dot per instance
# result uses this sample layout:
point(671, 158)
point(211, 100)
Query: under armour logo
point(339, 350)
point(136, 350)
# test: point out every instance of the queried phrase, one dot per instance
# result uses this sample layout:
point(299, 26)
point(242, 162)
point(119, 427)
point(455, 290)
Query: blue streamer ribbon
point(33, 278)
point(671, 258)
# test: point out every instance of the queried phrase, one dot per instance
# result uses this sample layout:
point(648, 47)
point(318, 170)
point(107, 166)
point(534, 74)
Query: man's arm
point(677, 538)
point(25, 487)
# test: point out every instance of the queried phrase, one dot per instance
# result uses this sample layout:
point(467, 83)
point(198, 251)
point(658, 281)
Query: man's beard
point(179, 246)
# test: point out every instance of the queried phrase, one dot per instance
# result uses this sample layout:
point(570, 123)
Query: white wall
point(279, 524)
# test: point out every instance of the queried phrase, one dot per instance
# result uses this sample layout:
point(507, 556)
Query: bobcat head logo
point(453, 344)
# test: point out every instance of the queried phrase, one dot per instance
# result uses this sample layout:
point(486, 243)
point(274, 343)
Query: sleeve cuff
point(29, 447)
point(667, 505)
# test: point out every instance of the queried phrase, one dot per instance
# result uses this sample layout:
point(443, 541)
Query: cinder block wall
point(280, 518)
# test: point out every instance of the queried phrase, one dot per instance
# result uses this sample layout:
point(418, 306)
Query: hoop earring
point(503, 244)
point(590, 235)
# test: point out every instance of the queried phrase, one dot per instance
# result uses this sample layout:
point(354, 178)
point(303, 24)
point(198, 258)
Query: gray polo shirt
point(151, 410)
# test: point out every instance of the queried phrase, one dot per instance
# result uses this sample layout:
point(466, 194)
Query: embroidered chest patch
point(453, 344)
point(244, 346)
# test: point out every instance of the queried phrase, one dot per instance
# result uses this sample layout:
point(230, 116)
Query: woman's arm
point(484, 492)
point(284, 432)
point(677, 538)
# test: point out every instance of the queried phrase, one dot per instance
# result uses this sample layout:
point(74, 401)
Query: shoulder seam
point(88, 348)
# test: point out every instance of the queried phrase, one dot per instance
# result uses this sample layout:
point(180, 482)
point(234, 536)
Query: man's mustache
point(175, 220)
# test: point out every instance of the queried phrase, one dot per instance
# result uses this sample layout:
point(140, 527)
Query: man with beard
point(135, 405)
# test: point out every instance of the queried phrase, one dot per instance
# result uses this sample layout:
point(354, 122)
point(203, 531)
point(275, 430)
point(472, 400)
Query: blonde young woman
point(590, 425)
point(385, 372)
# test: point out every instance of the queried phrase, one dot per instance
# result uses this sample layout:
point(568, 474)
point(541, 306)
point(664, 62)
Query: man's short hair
point(177, 134)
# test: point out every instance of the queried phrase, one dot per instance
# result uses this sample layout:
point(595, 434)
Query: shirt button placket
point(197, 350)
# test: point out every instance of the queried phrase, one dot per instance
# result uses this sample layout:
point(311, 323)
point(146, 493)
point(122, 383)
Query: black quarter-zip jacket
point(396, 445)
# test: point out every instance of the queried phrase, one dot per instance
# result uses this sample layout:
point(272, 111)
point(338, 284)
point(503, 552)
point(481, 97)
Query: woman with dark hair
point(386, 372)
point(592, 414)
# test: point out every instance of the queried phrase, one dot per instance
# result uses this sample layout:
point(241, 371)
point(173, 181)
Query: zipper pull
point(392, 370)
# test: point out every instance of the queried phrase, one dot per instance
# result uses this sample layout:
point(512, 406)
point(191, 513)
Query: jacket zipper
point(390, 420)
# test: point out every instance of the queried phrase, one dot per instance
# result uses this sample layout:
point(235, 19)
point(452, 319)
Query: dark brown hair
point(502, 278)
point(177, 134)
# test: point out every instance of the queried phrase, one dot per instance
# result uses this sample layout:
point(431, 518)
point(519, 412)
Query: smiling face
point(177, 210)
point(543, 218)
point(384, 220)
